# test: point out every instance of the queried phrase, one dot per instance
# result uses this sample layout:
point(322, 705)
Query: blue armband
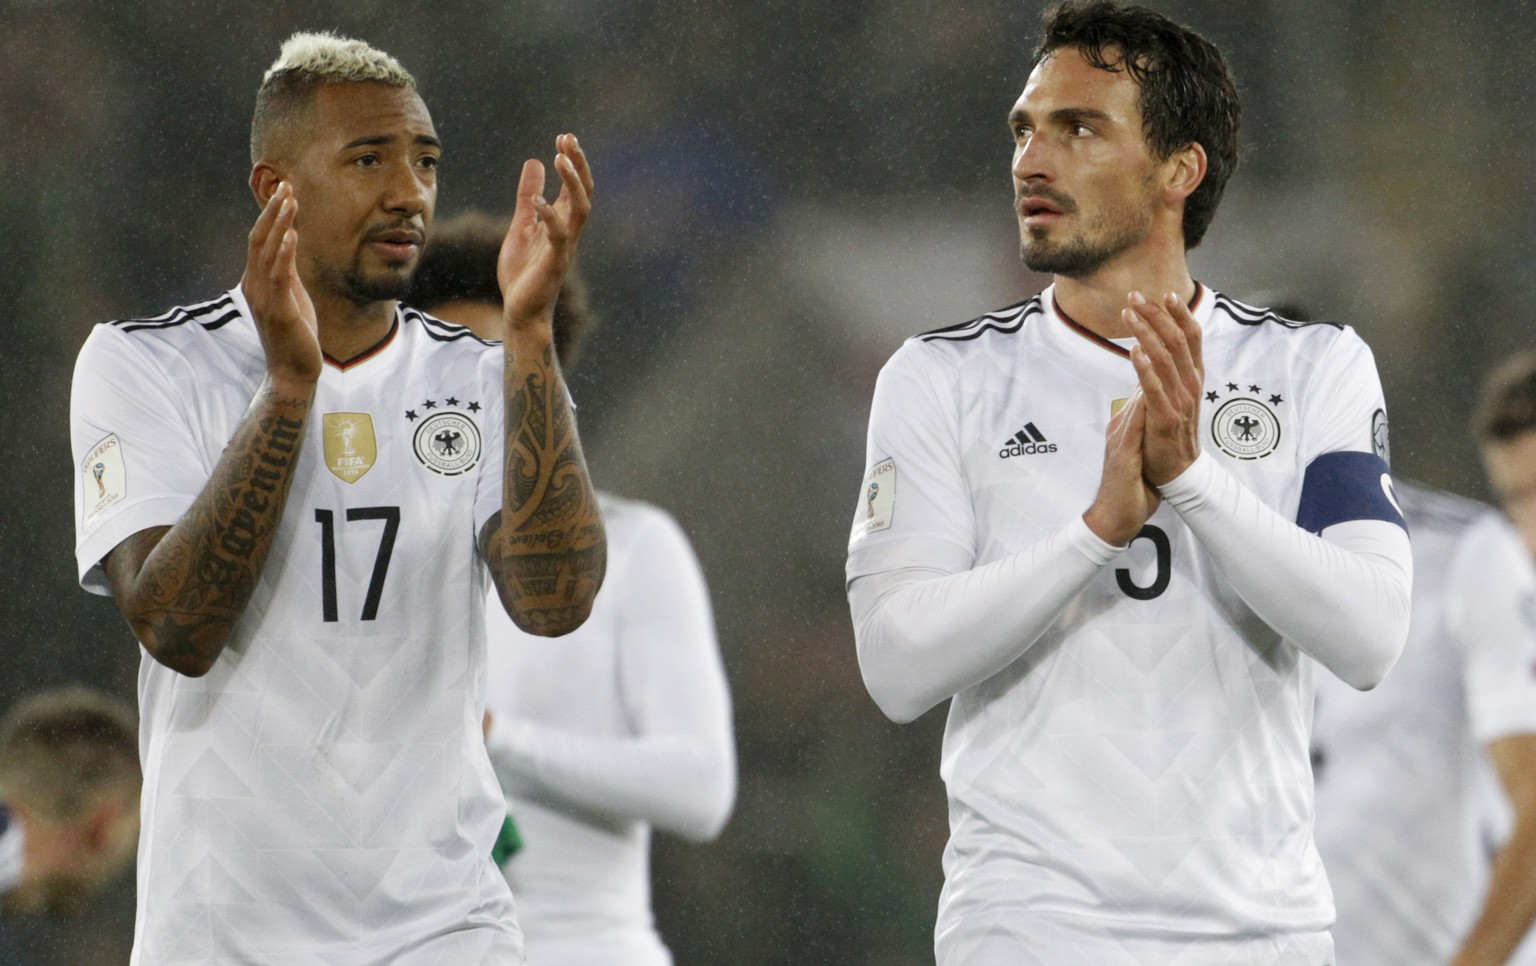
point(1344, 486)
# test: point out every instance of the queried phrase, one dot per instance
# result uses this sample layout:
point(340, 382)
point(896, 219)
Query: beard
point(361, 288)
point(1106, 236)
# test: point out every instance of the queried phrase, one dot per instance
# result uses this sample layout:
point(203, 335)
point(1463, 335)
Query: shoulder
point(938, 354)
point(1262, 329)
point(1429, 509)
point(209, 316)
point(625, 517)
point(189, 333)
point(642, 534)
point(434, 329)
point(999, 324)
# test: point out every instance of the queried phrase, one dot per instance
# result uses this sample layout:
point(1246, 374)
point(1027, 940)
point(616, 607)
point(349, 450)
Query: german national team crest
point(351, 448)
point(448, 443)
point(1246, 426)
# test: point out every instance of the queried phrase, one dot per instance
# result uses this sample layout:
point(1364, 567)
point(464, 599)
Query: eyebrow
point(374, 140)
point(1063, 114)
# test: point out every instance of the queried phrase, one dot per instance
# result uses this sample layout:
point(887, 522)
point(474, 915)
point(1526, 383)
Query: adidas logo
point(1026, 442)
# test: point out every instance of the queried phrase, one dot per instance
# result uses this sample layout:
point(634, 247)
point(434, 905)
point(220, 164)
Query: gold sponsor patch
point(351, 449)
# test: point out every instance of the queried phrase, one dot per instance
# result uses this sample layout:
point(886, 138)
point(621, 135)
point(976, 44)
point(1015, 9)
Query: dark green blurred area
point(785, 190)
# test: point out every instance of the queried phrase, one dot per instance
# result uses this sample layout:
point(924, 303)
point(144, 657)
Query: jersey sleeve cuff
point(1192, 484)
point(1088, 543)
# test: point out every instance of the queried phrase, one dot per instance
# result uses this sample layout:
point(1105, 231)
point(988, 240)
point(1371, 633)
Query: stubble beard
point(362, 288)
point(1108, 235)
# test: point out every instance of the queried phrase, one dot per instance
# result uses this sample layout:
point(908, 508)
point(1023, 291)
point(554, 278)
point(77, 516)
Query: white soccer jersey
point(1135, 787)
point(623, 724)
point(322, 795)
point(1406, 799)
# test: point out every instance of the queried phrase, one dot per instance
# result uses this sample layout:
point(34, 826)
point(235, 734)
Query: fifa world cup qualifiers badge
point(877, 503)
point(447, 441)
point(1246, 424)
point(103, 478)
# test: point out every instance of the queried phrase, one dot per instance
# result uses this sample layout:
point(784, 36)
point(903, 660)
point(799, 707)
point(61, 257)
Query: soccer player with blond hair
point(298, 493)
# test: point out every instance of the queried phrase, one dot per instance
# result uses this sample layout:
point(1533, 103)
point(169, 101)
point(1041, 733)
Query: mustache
point(399, 232)
point(1047, 194)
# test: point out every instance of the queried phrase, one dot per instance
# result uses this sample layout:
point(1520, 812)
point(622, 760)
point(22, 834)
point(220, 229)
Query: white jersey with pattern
point(1409, 808)
point(322, 795)
point(1135, 787)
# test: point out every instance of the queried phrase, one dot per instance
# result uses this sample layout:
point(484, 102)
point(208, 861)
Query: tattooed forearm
point(546, 549)
point(183, 588)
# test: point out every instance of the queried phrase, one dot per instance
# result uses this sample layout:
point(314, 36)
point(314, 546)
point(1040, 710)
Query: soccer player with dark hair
point(69, 798)
point(298, 493)
point(626, 725)
point(1119, 527)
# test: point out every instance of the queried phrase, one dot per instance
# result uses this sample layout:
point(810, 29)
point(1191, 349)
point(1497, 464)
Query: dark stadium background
point(786, 190)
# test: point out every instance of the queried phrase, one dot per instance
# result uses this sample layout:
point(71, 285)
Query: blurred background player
point(1505, 427)
point(1426, 786)
point(69, 799)
point(624, 724)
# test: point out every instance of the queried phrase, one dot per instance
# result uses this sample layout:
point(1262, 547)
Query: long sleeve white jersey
point(622, 725)
point(1126, 760)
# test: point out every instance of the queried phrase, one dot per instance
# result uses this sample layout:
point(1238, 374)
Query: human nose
point(409, 191)
point(1031, 161)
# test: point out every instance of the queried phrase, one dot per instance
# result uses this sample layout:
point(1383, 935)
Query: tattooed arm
point(182, 588)
point(546, 549)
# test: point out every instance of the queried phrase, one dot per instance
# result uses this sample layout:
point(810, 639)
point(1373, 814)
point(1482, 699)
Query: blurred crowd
point(785, 191)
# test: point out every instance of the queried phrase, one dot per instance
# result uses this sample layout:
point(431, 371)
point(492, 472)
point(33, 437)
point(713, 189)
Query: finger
point(277, 237)
point(1151, 351)
point(262, 229)
point(1153, 388)
point(573, 193)
point(579, 160)
point(1189, 325)
point(530, 192)
point(1174, 338)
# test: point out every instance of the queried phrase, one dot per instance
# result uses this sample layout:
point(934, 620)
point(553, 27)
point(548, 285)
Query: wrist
point(1114, 532)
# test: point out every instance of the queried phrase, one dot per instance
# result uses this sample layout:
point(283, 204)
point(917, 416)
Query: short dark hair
point(60, 749)
point(459, 265)
point(1507, 405)
point(1188, 94)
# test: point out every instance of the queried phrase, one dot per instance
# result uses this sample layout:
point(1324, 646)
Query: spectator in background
point(623, 725)
point(69, 798)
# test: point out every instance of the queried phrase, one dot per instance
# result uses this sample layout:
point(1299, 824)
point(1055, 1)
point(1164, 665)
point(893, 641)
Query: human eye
point(429, 161)
point(368, 160)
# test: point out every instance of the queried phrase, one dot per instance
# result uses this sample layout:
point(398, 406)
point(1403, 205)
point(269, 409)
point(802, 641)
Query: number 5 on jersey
point(327, 520)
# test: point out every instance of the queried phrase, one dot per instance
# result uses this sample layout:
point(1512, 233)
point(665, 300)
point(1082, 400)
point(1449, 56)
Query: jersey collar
point(238, 295)
point(1199, 305)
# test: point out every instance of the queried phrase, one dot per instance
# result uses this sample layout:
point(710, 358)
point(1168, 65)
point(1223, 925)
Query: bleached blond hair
point(308, 61)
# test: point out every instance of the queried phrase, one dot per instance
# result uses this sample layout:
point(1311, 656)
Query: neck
point(348, 329)
point(1096, 301)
